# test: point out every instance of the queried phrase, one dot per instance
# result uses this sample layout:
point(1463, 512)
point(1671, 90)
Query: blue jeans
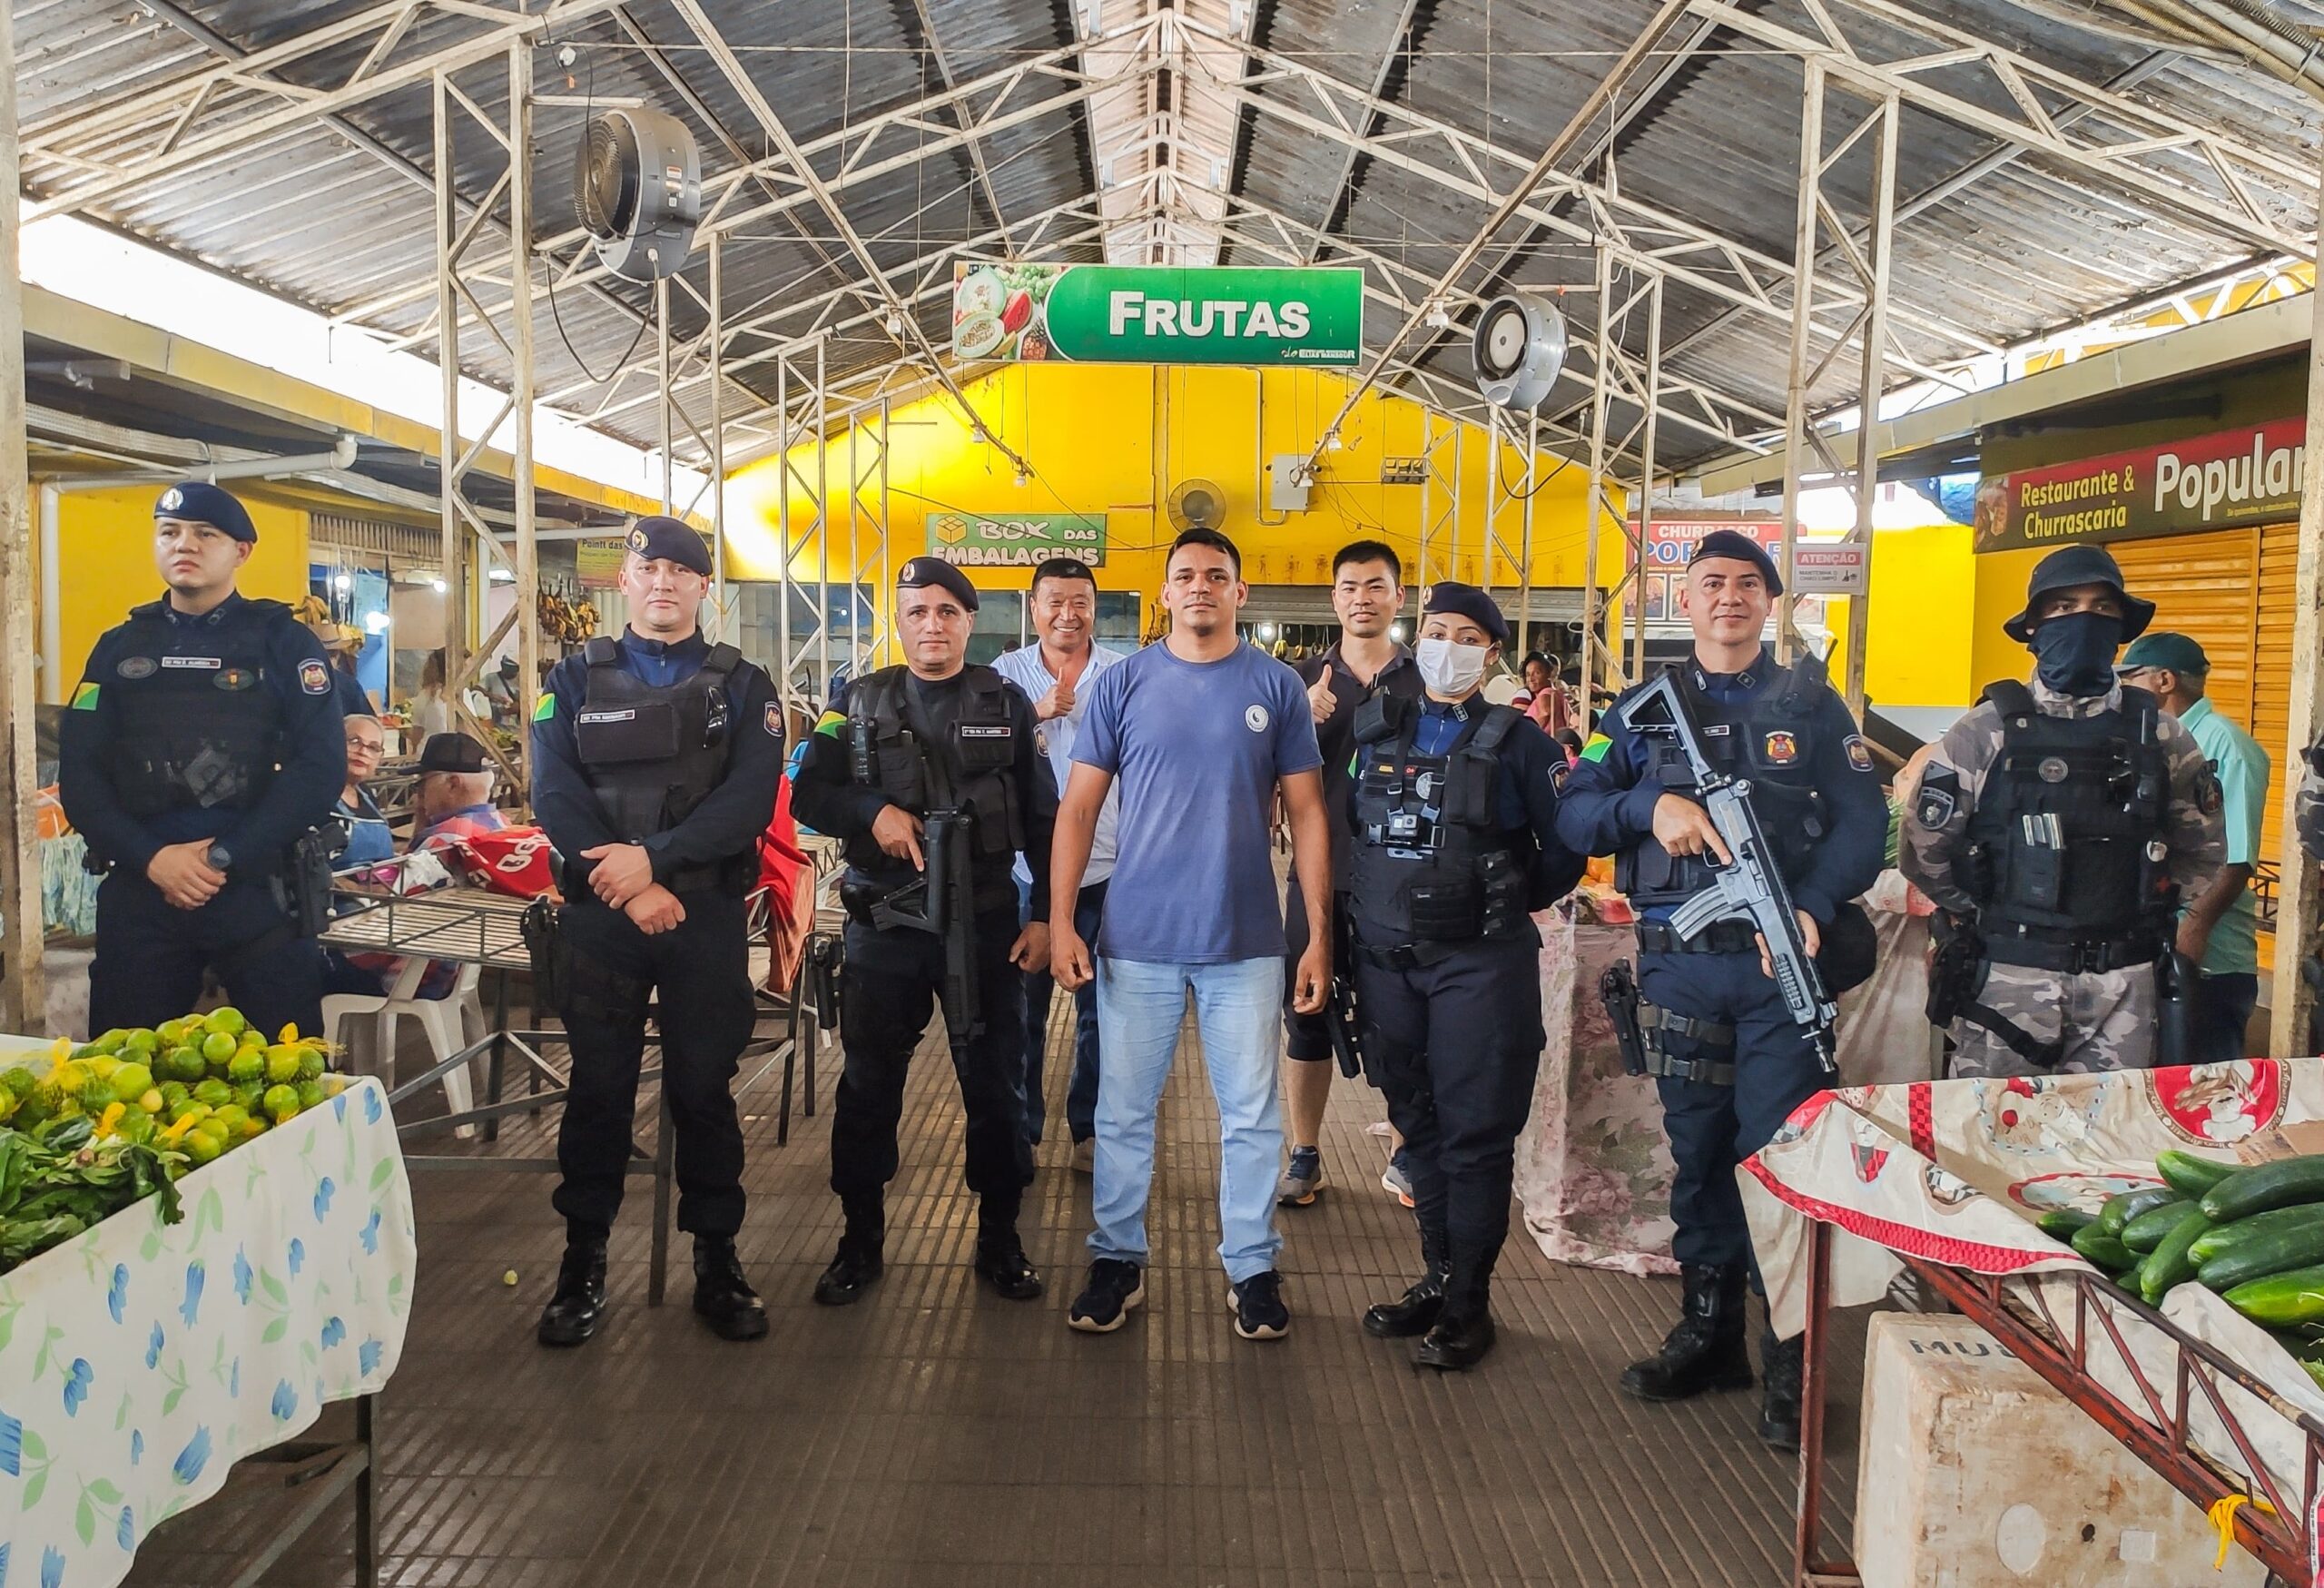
point(1238, 1011)
point(1082, 1092)
point(2222, 1008)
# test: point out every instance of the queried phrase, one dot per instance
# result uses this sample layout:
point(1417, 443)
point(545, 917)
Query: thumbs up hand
point(1321, 701)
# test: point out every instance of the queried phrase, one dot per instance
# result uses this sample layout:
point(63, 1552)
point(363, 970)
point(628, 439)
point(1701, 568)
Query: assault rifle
point(942, 902)
point(1750, 890)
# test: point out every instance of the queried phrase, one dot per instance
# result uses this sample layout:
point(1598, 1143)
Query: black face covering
point(2074, 652)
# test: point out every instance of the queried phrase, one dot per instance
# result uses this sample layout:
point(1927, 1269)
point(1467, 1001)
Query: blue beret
point(657, 539)
point(1467, 601)
point(1738, 547)
point(201, 502)
point(921, 572)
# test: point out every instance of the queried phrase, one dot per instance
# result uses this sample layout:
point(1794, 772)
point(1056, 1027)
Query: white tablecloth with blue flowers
point(140, 1361)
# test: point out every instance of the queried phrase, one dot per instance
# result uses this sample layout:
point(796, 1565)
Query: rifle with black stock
point(945, 899)
point(1751, 889)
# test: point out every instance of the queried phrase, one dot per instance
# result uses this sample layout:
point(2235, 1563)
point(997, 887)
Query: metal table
point(469, 925)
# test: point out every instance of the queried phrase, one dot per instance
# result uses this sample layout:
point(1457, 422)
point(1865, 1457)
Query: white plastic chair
point(451, 1023)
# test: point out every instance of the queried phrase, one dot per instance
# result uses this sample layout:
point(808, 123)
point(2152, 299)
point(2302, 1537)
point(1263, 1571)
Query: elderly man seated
point(455, 796)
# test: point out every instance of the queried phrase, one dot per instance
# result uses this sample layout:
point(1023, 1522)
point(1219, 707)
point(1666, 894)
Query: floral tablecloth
point(140, 1361)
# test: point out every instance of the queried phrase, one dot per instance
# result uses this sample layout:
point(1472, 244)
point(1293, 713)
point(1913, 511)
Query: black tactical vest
point(2067, 843)
point(1774, 739)
point(650, 755)
point(198, 724)
point(1430, 861)
point(892, 748)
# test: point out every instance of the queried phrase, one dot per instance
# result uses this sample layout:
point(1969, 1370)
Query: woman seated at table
point(369, 843)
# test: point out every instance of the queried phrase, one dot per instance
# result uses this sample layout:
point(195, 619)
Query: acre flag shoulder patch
point(1596, 749)
point(545, 708)
point(85, 698)
point(830, 724)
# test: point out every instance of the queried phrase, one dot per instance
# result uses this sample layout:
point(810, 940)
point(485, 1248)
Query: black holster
point(302, 885)
point(1618, 989)
point(826, 955)
point(552, 957)
point(2175, 976)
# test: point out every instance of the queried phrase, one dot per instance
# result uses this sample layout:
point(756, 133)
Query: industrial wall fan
point(1196, 504)
point(1520, 348)
point(637, 185)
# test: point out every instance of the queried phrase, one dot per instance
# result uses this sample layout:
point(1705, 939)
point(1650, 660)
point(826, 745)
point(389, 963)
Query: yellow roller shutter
point(2270, 720)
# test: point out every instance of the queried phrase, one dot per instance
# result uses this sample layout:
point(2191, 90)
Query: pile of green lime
point(200, 1086)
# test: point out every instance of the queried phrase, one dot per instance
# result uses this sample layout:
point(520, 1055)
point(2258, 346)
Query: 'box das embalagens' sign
point(2233, 478)
point(1141, 314)
point(1020, 540)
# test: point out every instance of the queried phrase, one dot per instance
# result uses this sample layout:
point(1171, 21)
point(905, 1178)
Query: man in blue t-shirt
point(1202, 731)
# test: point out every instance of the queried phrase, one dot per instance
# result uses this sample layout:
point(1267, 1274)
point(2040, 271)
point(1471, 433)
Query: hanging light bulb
point(1022, 477)
point(1332, 442)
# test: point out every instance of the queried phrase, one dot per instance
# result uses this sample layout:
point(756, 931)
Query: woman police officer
point(1454, 843)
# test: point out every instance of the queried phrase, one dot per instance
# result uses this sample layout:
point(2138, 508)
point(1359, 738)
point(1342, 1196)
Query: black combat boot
point(1001, 1262)
point(721, 1295)
point(572, 1313)
point(1417, 1309)
point(1783, 1365)
point(1706, 1350)
point(860, 1259)
point(1464, 1332)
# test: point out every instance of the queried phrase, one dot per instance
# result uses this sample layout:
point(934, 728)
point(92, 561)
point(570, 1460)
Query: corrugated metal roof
point(309, 212)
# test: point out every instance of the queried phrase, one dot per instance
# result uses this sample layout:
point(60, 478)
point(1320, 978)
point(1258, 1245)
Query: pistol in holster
point(302, 885)
point(826, 955)
point(1618, 989)
point(544, 934)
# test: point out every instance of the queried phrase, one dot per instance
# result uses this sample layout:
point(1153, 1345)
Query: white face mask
point(1448, 668)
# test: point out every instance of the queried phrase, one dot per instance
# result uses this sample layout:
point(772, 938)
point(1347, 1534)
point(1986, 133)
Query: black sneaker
point(1257, 1306)
point(1114, 1286)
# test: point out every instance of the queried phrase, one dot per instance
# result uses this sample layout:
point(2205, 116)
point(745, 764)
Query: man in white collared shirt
point(1054, 675)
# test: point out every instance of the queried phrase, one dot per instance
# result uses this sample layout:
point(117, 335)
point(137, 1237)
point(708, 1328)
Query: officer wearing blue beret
point(1453, 844)
point(1731, 1064)
point(203, 741)
point(656, 758)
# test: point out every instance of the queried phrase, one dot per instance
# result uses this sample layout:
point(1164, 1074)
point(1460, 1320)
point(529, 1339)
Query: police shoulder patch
point(314, 677)
point(1859, 753)
point(1596, 749)
point(830, 724)
point(1939, 798)
point(2207, 793)
point(775, 719)
point(85, 698)
point(544, 708)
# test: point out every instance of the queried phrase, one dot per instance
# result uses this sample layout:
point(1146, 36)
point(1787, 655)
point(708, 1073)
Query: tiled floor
point(936, 1434)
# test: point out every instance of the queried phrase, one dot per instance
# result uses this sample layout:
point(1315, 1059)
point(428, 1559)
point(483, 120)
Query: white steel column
point(717, 440)
point(1593, 605)
point(2291, 1003)
point(463, 270)
point(23, 1003)
point(1871, 380)
point(1796, 421)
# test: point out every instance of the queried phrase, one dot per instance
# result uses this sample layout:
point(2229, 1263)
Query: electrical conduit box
point(1287, 483)
point(1972, 1473)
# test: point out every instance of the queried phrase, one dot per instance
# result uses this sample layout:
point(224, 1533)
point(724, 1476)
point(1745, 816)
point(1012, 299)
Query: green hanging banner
point(1158, 314)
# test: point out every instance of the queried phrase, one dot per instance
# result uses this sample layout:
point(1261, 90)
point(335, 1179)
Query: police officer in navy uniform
point(202, 741)
point(1731, 1062)
point(1454, 842)
point(934, 734)
point(656, 758)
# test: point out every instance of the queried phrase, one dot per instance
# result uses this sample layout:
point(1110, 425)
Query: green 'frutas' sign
point(1155, 314)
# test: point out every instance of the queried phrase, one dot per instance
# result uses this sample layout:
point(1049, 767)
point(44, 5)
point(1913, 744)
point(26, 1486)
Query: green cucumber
point(2299, 1247)
point(2145, 1232)
point(2281, 1300)
point(2094, 1245)
point(2168, 1265)
point(2225, 1238)
point(2061, 1223)
point(2120, 1210)
point(2265, 1186)
point(2187, 1175)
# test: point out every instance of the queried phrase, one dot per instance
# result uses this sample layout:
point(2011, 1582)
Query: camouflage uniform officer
point(2055, 826)
point(2308, 803)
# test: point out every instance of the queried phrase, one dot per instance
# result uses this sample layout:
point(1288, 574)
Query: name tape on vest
point(984, 731)
point(194, 661)
point(608, 716)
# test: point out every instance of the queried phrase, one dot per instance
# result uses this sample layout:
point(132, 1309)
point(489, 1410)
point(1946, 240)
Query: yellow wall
point(1114, 439)
point(1917, 648)
point(105, 563)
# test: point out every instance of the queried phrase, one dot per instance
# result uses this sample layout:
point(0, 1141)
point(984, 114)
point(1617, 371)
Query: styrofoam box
point(1976, 1474)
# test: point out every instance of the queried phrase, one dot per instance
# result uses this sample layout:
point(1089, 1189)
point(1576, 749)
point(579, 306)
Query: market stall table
point(1944, 1178)
point(140, 1361)
point(472, 926)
